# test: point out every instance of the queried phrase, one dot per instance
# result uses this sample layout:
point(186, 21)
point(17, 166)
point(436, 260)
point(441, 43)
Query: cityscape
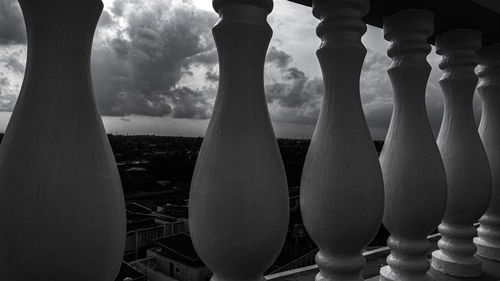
point(156, 173)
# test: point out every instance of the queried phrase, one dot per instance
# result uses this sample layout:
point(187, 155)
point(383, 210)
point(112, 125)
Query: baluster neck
point(56, 29)
point(340, 30)
point(408, 32)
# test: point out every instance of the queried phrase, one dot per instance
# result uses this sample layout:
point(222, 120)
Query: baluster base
point(339, 267)
point(456, 253)
point(387, 274)
point(321, 277)
point(460, 267)
point(408, 260)
point(487, 250)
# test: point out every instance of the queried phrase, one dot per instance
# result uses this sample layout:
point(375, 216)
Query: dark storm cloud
point(279, 58)
point(12, 30)
point(138, 69)
point(212, 75)
point(206, 58)
point(189, 104)
point(295, 98)
point(291, 92)
point(120, 46)
point(305, 112)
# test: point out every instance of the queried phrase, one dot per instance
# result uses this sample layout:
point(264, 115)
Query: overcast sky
point(155, 69)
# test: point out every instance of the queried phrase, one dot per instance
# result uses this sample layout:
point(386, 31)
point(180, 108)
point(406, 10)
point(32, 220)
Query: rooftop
point(135, 207)
point(126, 270)
point(180, 248)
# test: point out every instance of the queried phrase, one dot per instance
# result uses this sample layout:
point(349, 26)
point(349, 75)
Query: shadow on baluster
point(62, 208)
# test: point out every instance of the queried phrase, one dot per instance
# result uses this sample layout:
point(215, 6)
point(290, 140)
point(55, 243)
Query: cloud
point(13, 63)
point(279, 58)
point(4, 81)
point(106, 20)
point(376, 91)
point(212, 75)
point(290, 93)
point(305, 96)
point(205, 58)
point(7, 99)
point(293, 98)
point(190, 104)
point(137, 65)
point(12, 59)
point(12, 29)
point(158, 58)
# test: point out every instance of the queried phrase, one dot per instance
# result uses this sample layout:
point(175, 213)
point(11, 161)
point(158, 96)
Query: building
point(129, 273)
point(173, 258)
point(144, 226)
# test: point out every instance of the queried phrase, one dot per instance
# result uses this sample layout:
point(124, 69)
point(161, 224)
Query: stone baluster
point(414, 176)
point(62, 210)
point(466, 165)
point(488, 240)
point(342, 188)
point(238, 204)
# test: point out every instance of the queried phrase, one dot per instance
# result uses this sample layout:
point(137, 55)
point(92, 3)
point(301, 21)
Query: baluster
point(414, 176)
point(488, 240)
point(63, 214)
point(342, 188)
point(238, 204)
point(464, 158)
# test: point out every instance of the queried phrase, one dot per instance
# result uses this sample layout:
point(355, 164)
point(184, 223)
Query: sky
point(155, 69)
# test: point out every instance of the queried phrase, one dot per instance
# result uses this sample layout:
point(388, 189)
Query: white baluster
point(488, 242)
point(466, 165)
point(342, 188)
point(414, 176)
point(63, 215)
point(238, 204)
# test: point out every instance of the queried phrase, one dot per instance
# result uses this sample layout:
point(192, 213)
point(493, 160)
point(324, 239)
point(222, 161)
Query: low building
point(129, 273)
point(174, 257)
point(142, 229)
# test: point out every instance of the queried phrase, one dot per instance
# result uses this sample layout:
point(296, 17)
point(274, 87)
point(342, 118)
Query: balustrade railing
point(56, 160)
